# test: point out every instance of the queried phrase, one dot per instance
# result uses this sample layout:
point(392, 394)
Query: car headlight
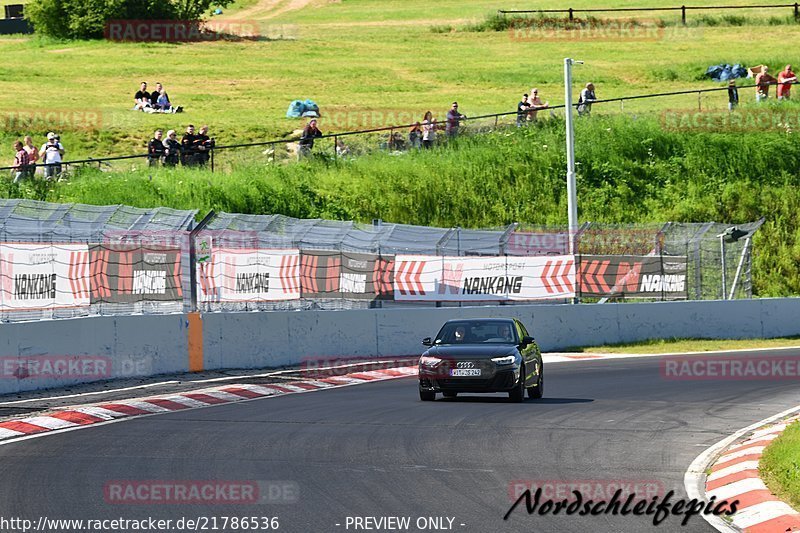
point(429, 361)
point(505, 360)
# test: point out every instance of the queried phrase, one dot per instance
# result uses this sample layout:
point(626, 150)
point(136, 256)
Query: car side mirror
point(526, 341)
point(427, 341)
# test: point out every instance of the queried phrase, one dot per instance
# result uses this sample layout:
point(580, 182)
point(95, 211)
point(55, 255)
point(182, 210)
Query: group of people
point(194, 149)
point(154, 102)
point(27, 157)
point(784, 83)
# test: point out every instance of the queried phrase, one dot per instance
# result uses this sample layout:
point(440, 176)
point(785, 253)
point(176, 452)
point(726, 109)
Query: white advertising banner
point(249, 275)
point(470, 279)
point(44, 276)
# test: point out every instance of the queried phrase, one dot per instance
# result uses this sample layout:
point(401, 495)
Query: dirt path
point(267, 9)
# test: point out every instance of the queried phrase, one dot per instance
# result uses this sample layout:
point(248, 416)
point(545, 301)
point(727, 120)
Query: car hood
point(471, 350)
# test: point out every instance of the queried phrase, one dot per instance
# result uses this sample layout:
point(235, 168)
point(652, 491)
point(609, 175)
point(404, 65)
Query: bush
point(86, 19)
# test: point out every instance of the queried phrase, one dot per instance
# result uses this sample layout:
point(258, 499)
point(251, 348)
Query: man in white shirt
point(52, 152)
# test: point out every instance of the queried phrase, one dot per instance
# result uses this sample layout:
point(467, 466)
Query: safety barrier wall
point(130, 346)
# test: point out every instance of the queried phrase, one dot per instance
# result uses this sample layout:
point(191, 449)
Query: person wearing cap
point(785, 80)
point(172, 149)
point(733, 95)
point(52, 152)
point(585, 100)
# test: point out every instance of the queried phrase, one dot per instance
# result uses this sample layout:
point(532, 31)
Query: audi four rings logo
point(465, 364)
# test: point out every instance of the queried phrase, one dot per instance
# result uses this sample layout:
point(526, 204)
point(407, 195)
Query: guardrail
point(683, 9)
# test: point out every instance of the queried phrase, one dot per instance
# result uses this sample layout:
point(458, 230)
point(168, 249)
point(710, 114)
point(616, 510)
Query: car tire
point(517, 394)
point(537, 391)
point(427, 395)
point(450, 394)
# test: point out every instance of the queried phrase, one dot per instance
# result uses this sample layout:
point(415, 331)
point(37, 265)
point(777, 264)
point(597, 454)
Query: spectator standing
point(33, 153)
point(155, 149)
point(141, 100)
point(188, 145)
point(21, 162)
point(415, 136)
point(733, 95)
point(763, 80)
point(310, 132)
point(172, 149)
point(203, 146)
point(535, 104)
point(454, 119)
point(522, 110)
point(785, 80)
point(52, 152)
point(428, 130)
point(586, 99)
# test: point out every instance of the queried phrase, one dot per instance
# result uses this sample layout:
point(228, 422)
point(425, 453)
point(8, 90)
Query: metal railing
point(683, 9)
point(495, 117)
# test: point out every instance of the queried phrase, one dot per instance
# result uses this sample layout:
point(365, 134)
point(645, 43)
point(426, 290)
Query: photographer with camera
point(203, 146)
point(52, 152)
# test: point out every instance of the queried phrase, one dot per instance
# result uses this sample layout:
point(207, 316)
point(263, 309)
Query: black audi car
point(481, 355)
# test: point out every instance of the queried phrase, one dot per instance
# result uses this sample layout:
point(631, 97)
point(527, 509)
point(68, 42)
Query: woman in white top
point(428, 130)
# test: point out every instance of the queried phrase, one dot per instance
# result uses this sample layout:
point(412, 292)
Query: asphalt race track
point(376, 450)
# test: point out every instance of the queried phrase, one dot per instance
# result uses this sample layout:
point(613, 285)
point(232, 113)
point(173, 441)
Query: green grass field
point(353, 56)
point(780, 466)
point(689, 345)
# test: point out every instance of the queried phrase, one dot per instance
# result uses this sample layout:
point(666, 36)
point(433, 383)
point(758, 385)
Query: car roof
point(494, 319)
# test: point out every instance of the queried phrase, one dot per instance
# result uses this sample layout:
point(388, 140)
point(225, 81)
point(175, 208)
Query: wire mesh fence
point(70, 260)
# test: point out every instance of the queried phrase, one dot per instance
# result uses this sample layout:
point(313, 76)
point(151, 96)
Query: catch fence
point(61, 261)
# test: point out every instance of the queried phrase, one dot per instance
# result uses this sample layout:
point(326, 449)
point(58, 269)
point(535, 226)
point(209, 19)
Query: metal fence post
point(570, 15)
point(722, 251)
point(335, 147)
point(796, 10)
point(683, 15)
point(212, 159)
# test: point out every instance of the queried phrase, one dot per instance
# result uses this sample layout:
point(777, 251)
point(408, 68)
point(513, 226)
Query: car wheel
point(450, 394)
point(427, 395)
point(537, 391)
point(517, 394)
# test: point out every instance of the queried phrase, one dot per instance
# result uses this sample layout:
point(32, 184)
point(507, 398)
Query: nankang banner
point(633, 276)
point(430, 278)
point(129, 273)
point(346, 275)
point(249, 275)
point(43, 276)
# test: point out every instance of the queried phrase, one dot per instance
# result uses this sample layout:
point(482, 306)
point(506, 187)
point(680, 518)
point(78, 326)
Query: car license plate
point(465, 372)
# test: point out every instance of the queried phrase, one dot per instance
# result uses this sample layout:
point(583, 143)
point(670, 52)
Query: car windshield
point(477, 332)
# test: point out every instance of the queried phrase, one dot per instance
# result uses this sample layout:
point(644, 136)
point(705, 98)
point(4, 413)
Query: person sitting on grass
point(141, 100)
point(163, 104)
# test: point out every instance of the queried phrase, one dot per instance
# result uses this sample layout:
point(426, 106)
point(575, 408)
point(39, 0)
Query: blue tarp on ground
point(300, 108)
point(726, 72)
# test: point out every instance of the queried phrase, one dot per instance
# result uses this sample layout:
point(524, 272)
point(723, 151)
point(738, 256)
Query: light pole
point(572, 194)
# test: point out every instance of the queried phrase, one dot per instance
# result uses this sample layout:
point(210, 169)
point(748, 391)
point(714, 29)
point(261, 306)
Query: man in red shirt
point(763, 80)
point(21, 163)
point(785, 80)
